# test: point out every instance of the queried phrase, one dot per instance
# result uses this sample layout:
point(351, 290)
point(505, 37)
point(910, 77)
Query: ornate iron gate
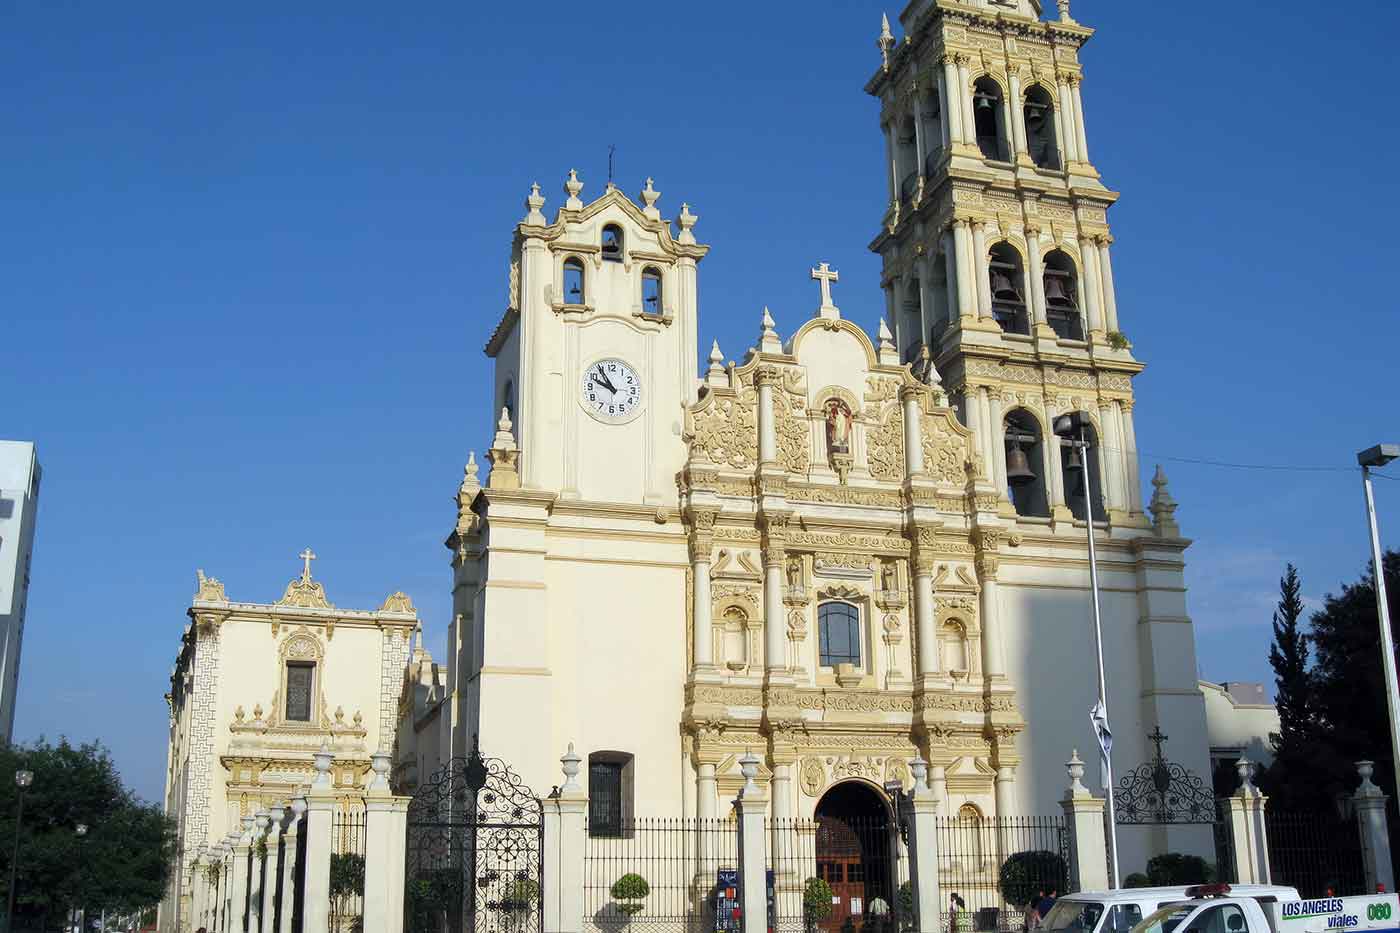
point(475, 851)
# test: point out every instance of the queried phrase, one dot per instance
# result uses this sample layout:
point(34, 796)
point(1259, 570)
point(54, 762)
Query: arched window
point(651, 291)
point(301, 682)
point(970, 826)
point(612, 243)
point(906, 160)
point(1062, 296)
point(1080, 468)
point(1008, 289)
point(1025, 478)
point(987, 117)
point(838, 626)
point(573, 281)
point(1040, 128)
point(933, 135)
point(911, 329)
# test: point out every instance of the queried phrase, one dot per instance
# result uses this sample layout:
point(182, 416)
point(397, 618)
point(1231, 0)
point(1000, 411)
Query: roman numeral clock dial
point(611, 391)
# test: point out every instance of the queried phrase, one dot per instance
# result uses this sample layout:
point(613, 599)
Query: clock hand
point(606, 381)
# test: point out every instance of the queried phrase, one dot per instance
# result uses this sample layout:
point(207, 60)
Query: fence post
point(296, 825)
point(386, 828)
point(1247, 829)
point(1370, 802)
point(238, 890)
point(257, 870)
point(271, 869)
point(1084, 814)
point(923, 851)
point(199, 889)
point(752, 805)
point(320, 811)
point(564, 840)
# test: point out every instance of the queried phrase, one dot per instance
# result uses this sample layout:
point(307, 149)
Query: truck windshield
point(1072, 917)
point(1164, 920)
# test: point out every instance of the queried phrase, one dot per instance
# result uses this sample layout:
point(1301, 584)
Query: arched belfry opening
point(856, 840)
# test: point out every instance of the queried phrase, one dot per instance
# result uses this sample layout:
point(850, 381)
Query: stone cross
point(307, 557)
point(824, 274)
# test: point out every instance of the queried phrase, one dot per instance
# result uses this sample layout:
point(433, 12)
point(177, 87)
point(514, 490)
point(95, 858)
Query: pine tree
point(1288, 656)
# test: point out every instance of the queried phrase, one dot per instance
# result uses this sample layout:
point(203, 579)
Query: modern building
point(19, 507)
point(1240, 719)
point(847, 548)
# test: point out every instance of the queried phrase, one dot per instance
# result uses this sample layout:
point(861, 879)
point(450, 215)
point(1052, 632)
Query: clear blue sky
point(250, 256)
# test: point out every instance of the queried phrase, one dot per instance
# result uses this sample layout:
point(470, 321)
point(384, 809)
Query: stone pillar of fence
point(320, 812)
point(923, 851)
point(271, 869)
point(238, 881)
point(752, 807)
point(386, 832)
point(296, 825)
point(1084, 817)
point(199, 889)
point(1369, 803)
point(1248, 833)
point(257, 870)
point(565, 828)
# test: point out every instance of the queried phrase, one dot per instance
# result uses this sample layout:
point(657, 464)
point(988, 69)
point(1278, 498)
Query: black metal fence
point(661, 875)
point(1317, 853)
point(1225, 867)
point(862, 861)
point(347, 866)
point(792, 860)
point(996, 867)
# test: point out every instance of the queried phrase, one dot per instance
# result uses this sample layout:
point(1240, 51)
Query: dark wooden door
point(840, 865)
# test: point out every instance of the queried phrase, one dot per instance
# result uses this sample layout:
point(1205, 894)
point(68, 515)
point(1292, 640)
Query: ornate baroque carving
point(726, 433)
point(886, 447)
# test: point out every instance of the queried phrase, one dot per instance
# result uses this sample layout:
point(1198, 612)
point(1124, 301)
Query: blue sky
point(251, 254)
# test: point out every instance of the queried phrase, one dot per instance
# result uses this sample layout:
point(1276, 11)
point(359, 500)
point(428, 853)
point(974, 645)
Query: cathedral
point(845, 549)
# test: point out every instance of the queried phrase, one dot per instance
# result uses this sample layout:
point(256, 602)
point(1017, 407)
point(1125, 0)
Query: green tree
point(629, 891)
point(121, 865)
point(347, 883)
point(1288, 656)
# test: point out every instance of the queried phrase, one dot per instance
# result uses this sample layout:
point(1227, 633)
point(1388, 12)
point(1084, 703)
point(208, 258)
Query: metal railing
point(997, 866)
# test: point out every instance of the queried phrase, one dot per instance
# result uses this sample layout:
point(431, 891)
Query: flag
point(1098, 718)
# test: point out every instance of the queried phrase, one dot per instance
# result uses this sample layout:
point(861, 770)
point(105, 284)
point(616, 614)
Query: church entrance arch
point(856, 840)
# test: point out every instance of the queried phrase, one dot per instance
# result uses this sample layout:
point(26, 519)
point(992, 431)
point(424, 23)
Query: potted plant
point(629, 891)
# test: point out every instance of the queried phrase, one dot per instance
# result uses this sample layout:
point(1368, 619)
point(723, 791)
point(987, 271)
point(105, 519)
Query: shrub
point(522, 894)
point(1117, 340)
point(1176, 868)
point(816, 902)
point(1025, 874)
point(628, 891)
point(1137, 880)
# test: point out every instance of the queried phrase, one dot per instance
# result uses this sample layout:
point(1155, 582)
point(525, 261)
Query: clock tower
point(595, 355)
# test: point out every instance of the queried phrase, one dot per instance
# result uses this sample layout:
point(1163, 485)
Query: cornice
point(502, 332)
point(614, 197)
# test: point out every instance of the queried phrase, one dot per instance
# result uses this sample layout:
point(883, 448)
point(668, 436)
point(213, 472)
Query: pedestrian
point(1046, 904)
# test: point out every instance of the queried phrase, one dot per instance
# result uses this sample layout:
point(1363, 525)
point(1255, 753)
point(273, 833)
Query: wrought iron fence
point(997, 867)
point(1317, 853)
point(792, 862)
point(864, 863)
point(661, 875)
point(347, 866)
point(1225, 869)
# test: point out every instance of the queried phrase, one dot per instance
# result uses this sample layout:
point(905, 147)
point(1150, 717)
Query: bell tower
point(995, 247)
point(595, 353)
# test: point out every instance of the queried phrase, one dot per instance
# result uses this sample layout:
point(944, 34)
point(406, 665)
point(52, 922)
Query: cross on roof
point(307, 557)
point(826, 275)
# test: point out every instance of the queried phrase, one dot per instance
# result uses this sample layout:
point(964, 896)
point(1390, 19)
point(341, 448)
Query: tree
point(1172, 868)
point(1288, 656)
point(121, 865)
point(347, 883)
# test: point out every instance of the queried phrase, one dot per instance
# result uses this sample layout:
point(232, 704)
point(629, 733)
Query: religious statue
point(794, 573)
point(889, 578)
point(838, 427)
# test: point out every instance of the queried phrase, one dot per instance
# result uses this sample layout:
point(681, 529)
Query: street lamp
point(81, 830)
point(1379, 456)
point(1073, 431)
point(23, 778)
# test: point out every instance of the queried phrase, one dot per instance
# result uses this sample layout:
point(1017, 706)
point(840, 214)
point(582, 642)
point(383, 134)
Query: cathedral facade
point(845, 549)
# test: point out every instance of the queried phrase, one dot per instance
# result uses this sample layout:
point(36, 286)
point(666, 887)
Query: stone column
point(320, 811)
point(979, 270)
point(262, 820)
point(1251, 841)
point(924, 609)
point(386, 850)
point(993, 664)
point(239, 914)
point(965, 100)
point(701, 541)
point(296, 825)
point(1112, 446)
point(1050, 446)
point(774, 618)
point(272, 869)
point(1130, 458)
point(1369, 804)
point(962, 255)
point(894, 167)
point(986, 431)
point(752, 807)
point(1021, 149)
point(1110, 299)
point(1089, 280)
point(565, 829)
point(1035, 277)
point(950, 275)
point(950, 100)
point(199, 889)
point(706, 795)
point(1088, 850)
point(996, 430)
point(766, 377)
point(920, 147)
point(1081, 139)
point(1070, 139)
point(923, 851)
point(913, 440)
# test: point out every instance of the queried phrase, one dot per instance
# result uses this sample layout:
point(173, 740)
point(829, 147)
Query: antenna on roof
point(611, 151)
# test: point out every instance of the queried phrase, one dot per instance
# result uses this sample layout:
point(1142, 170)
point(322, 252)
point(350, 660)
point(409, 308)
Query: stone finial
point(572, 187)
point(1245, 769)
point(298, 808)
point(323, 759)
point(716, 374)
point(504, 455)
point(261, 821)
point(918, 769)
point(826, 275)
point(649, 197)
point(533, 202)
point(687, 223)
point(380, 762)
point(748, 767)
point(768, 341)
point(1064, 11)
point(569, 764)
point(888, 352)
point(1075, 767)
point(924, 370)
point(278, 816)
point(1366, 789)
point(885, 42)
point(466, 495)
point(1163, 507)
point(210, 589)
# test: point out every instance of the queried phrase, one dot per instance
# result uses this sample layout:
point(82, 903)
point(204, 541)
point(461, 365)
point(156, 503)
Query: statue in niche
point(889, 577)
point(794, 573)
point(838, 427)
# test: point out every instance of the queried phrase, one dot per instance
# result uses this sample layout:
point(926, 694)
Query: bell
point(1018, 468)
point(1003, 287)
point(984, 102)
point(1074, 462)
point(575, 292)
point(1055, 291)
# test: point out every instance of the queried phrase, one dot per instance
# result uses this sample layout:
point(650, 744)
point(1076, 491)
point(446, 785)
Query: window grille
point(300, 676)
point(605, 798)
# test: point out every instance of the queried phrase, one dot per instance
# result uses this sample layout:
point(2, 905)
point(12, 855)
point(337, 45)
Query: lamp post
point(1379, 456)
point(81, 830)
point(23, 778)
point(1073, 429)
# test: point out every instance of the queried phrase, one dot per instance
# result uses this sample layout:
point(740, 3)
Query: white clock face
point(611, 391)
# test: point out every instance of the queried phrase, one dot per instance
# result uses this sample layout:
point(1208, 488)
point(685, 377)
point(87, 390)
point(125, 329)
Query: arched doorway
point(856, 841)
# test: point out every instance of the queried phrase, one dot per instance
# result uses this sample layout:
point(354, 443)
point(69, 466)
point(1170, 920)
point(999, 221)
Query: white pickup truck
point(1212, 909)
